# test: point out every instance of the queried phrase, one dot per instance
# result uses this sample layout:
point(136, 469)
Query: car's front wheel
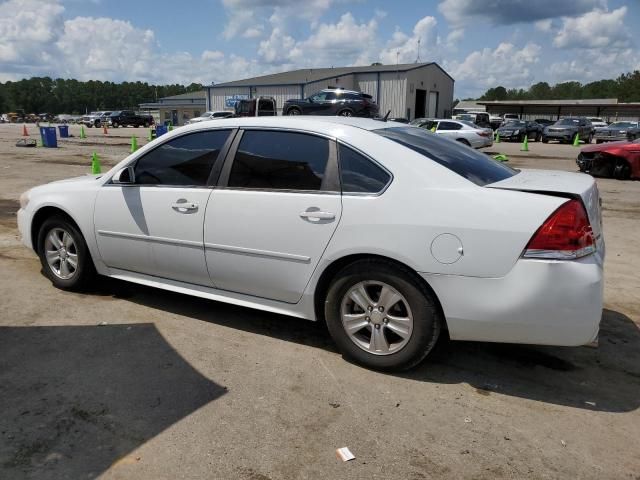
point(294, 111)
point(346, 113)
point(381, 316)
point(64, 255)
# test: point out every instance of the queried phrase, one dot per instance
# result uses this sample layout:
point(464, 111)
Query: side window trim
point(332, 173)
point(217, 165)
point(372, 160)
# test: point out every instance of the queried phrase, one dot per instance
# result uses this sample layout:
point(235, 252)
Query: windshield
point(514, 123)
point(417, 121)
point(623, 125)
point(466, 162)
point(569, 121)
point(220, 114)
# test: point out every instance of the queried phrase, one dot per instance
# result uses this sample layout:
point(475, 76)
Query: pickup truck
point(94, 119)
point(126, 118)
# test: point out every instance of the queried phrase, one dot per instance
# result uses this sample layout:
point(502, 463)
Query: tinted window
point(184, 160)
point(280, 161)
point(466, 162)
point(359, 174)
point(330, 96)
point(449, 126)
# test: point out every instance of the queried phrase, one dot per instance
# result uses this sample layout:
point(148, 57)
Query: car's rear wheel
point(381, 316)
point(463, 141)
point(115, 125)
point(64, 255)
point(545, 139)
point(345, 113)
point(294, 111)
point(589, 139)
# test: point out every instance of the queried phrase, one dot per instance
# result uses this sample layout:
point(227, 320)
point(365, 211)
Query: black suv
point(333, 101)
point(124, 118)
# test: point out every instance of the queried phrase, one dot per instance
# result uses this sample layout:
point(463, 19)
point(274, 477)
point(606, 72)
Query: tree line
point(626, 88)
point(54, 96)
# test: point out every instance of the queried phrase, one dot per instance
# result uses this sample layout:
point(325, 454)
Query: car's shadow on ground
point(77, 399)
point(602, 379)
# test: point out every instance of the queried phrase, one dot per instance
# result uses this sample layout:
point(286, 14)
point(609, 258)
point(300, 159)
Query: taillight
point(483, 134)
point(566, 234)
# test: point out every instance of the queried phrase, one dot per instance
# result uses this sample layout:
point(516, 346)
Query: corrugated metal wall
point(368, 83)
point(344, 82)
point(281, 94)
point(393, 94)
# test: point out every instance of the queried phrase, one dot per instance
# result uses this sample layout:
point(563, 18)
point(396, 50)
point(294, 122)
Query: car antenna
point(384, 119)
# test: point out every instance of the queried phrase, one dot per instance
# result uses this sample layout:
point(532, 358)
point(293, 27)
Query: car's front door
point(154, 226)
point(276, 208)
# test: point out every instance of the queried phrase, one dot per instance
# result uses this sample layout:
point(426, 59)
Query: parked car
point(256, 107)
point(480, 119)
point(544, 122)
point(459, 130)
point(95, 119)
point(495, 121)
point(617, 131)
point(333, 101)
point(319, 219)
point(565, 130)
point(210, 116)
point(128, 118)
point(510, 116)
point(597, 123)
point(619, 160)
point(517, 129)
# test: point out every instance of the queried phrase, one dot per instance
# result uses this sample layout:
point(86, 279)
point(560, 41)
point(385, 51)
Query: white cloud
point(596, 29)
point(544, 25)
point(404, 48)
point(505, 65)
point(594, 66)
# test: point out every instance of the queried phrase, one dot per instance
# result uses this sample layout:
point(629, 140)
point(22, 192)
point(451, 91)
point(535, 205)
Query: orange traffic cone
point(24, 130)
point(104, 129)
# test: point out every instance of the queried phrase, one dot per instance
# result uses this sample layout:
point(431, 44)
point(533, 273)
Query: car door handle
point(320, 215)
point(186, 206)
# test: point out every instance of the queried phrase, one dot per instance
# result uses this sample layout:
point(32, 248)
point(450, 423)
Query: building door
point(433, 104)
point(174, 118)
point(421, 101)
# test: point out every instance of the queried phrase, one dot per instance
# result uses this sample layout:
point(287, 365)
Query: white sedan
point(210, 116)
point(461, 131)
point(387, 232)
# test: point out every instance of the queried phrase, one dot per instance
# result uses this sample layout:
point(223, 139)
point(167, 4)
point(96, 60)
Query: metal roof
point(529, 103)
point(309, 75)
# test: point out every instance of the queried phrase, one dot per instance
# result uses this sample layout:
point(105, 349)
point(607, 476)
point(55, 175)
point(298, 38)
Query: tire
point(463, 141)
point(79, 277)
point(415, 310)
point(345, 113)
point(115, 125)
point(97, 124)
point(90, 125)
point(622, 170)
point(545, 139)
point(589, 139)
point(294, 111)
point(538, 137)
point(146, 124)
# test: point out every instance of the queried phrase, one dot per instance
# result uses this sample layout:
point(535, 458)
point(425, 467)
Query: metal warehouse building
point(408, 90)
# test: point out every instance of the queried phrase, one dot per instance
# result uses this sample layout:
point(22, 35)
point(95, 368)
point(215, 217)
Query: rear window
point(466, 162)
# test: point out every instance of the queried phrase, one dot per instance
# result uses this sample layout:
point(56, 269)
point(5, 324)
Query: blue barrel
point(64, 131)
point(160, 130)
point(49, 137)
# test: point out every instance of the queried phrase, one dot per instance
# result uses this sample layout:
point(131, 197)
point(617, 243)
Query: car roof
point(341, 90)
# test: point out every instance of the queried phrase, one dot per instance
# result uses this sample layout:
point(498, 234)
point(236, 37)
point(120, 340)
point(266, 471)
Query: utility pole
point(418, 57)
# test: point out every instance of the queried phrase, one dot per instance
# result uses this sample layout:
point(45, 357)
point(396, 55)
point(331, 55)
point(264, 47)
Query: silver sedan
point(459, 130)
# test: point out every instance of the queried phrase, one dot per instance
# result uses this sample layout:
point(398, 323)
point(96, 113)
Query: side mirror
point(124, 176)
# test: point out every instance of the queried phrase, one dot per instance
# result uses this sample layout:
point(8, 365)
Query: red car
point(619, 160)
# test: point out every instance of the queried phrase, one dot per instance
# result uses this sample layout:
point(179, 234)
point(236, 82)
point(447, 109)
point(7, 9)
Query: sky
point(480, 43)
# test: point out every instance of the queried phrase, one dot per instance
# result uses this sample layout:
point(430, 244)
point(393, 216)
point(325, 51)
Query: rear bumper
point(538, 302)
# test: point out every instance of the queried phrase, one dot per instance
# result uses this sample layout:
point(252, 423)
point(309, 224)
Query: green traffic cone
point(576, 140)
point(433, 129)
point(501, 157)
point(497, 137)
point(170, 127)
point(134, 144)
point(525, 144)
point(95, 164)
point(150, 137)
point(82, 133)
point(39, 141)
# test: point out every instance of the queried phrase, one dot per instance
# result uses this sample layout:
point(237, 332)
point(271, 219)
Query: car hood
point(559, 182)
point(609, 146)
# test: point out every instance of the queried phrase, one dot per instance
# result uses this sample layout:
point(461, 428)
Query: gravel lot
point(179, 387)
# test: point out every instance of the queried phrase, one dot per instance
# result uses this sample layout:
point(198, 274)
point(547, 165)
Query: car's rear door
point(154, 226)
point(276, 207)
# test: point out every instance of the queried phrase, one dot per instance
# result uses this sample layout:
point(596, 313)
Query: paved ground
point(178, 387)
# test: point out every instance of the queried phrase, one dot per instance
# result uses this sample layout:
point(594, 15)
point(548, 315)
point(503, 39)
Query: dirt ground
point(179, 387)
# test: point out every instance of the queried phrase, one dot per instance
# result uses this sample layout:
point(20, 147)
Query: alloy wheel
point(61, 253)
point(376, 317)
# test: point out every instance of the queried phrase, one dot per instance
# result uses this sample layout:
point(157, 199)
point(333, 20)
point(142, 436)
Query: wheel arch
point(41, 215)
point(329, 273)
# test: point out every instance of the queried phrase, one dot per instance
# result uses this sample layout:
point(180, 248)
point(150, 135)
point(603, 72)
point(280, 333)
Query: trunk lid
point(555, 182)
